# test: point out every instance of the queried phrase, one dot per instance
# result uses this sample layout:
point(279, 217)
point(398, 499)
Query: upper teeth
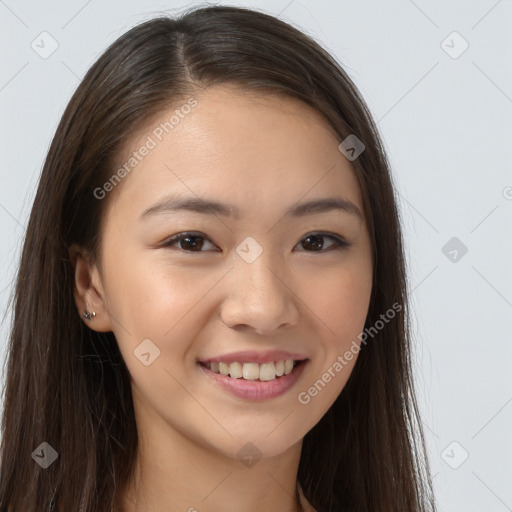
point(253, 371)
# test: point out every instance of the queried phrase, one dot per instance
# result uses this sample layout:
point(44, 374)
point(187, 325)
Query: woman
point(211, 307)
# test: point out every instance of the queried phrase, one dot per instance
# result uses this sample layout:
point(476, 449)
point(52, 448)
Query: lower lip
point(255, 389)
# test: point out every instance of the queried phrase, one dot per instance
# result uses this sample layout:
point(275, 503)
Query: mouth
point(254, 381)
point(260, 372)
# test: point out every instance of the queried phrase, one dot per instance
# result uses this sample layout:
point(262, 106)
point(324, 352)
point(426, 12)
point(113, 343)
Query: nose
point(259, 298)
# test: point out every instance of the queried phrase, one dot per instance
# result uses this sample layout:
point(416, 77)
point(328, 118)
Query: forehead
point(250, 149)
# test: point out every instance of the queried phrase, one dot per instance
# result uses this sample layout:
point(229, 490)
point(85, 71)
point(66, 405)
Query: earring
point(89, 315)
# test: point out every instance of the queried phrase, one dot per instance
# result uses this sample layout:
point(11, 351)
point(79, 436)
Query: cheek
point(341, 302)
point(155, 303)
point(150, 299)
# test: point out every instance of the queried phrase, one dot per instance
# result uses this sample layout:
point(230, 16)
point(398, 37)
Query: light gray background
point(446, 123)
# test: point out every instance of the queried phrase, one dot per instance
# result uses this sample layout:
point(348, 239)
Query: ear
point(88, 290)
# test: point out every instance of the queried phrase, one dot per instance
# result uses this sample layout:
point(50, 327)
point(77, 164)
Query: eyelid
point(339, 241)
point(169, 242)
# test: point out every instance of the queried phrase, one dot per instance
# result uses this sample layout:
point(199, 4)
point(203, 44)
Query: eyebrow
point(210, 207)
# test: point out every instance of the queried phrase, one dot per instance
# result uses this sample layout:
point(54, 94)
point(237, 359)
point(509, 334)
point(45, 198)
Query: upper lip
point(253, 356)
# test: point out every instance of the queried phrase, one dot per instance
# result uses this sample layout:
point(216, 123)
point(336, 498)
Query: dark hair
point(68, 385)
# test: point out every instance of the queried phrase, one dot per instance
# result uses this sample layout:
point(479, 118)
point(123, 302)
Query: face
point(258, 280)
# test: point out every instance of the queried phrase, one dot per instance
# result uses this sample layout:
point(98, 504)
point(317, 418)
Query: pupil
point(197, 245)
point(193, 245)
point(315, 245)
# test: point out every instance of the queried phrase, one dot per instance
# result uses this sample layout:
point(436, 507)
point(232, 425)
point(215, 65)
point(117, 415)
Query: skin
point(263, 154)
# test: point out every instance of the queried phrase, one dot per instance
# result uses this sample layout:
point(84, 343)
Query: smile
point(253, 381)
point(253, 371)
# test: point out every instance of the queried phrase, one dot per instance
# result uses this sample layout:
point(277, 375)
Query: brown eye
point(189, 242)
point(314, 242)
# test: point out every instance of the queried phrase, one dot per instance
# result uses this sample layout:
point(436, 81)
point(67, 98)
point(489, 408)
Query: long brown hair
point(68, 386)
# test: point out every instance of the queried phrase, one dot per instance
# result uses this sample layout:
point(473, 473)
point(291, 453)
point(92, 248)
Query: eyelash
point(339, 243)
